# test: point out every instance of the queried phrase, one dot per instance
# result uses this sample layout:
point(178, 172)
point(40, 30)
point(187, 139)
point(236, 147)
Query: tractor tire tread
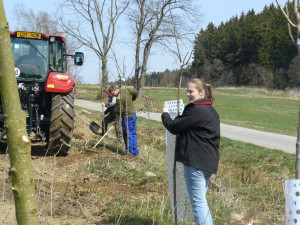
point(61, 124)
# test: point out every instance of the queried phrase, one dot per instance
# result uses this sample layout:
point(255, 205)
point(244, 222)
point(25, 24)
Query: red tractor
point(45, 89)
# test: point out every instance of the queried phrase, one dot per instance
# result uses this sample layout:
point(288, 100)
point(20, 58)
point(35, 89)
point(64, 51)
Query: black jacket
point(111, 105)
point(198, 130)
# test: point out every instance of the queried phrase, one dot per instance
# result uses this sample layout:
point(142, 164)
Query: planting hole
point(290, 212)
point(298, 211)
point(294, 202)
point(295, 221)
point(297, 193)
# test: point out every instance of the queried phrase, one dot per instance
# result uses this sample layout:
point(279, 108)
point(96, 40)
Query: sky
point(215, 11)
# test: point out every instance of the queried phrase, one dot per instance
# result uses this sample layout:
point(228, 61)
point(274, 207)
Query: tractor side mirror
point(78, 58)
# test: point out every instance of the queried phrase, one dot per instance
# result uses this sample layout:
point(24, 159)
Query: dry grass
point(250, 217)
point(293, 93)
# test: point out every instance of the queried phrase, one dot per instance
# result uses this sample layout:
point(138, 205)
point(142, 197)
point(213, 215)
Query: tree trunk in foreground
point(18, 143)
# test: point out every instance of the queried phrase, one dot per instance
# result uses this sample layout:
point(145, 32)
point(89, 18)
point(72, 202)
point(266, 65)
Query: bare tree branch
point(153, 24)
point(94, 27)
point(289, 26)
point(286, 16)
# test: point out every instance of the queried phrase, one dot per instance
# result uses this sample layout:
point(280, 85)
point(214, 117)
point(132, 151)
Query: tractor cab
point(45, 88)
point(37, 55)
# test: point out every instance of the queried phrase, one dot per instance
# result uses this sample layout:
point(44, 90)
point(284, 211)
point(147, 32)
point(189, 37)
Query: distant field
point(271, 111)
point(271, 114)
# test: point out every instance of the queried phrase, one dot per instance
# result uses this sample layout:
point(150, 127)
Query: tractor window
point(58, 56)
point(31, 58)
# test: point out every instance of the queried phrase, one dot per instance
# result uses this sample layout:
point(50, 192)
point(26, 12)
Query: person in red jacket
point(197, 144)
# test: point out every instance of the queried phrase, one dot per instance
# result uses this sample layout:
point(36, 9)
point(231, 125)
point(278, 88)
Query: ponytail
point(201, 85)
point(209, 93)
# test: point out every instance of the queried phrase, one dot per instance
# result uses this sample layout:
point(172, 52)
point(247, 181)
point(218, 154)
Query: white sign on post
point(184, 208)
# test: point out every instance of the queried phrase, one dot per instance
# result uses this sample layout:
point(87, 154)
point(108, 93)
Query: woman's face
point(115, 92)
point(193, 93)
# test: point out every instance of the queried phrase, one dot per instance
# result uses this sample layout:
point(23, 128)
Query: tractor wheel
point(61, 125)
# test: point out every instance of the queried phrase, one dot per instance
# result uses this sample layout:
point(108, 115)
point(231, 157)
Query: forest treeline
point(248, 50)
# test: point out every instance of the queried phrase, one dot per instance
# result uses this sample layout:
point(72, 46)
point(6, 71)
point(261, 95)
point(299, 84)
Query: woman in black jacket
point(197, 144)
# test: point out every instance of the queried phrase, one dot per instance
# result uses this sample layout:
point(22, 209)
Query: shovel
point(102, 137)
point(93, 126)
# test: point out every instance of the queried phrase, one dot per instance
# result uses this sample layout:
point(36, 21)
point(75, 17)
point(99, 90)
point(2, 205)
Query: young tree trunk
point(19, 146)
point(144, 68)
point(137, 63)
point(297, 167)
point(296, 11)
point(104, 81)
point(139, 28)
point(297, 26)
point(298, 150)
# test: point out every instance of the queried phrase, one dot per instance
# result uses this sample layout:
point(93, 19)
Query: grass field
point(252, 108)
point(104, 185)
point(249, 176)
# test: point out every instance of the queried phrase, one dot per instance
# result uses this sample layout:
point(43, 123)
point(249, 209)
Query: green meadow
point(260, 109)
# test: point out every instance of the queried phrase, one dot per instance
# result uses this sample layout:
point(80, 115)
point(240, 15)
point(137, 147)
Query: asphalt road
point(270, 140)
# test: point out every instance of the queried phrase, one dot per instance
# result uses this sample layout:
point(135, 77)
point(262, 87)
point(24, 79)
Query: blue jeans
point(133, 147)
point(197, 182)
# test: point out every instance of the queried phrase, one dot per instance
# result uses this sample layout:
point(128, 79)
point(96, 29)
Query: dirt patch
point(66, 191)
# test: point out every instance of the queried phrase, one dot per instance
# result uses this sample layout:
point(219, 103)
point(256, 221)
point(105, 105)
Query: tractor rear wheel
point(61, 124)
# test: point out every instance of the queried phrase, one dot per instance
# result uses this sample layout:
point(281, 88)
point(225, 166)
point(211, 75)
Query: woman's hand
point(117, 119)
point(166, 109)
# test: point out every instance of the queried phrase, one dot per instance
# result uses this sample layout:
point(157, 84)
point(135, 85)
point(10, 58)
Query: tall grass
point(251, 177)
point(248, 177)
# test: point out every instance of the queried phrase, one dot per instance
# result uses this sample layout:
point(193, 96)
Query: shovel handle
point(102, 137)
point(83, 120)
